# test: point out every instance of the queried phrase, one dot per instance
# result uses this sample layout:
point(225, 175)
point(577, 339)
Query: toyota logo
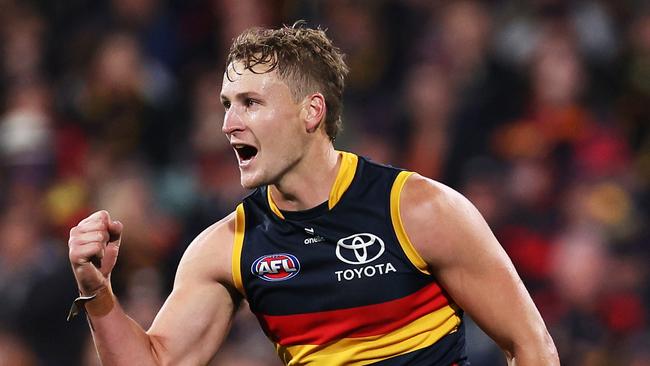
point(359, 248)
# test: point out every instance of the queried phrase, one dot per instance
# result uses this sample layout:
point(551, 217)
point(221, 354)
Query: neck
point(309, 183)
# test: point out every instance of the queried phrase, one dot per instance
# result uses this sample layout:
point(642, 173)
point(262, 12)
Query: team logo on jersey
point(276, 267)
point(360, 248)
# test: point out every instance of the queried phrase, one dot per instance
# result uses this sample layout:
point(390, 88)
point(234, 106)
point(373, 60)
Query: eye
point(226, 104)
point(249, 102)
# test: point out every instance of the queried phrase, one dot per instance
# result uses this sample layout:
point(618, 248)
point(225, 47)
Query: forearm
point(120, 340)
point(534, 360)
point(194, 319)
point(539, 353)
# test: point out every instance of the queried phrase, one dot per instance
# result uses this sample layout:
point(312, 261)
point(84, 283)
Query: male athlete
point(343, 261)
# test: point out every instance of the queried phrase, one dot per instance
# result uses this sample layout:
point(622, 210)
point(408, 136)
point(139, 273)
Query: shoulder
point(423, 197)
point(209, 255)
point(441, 223)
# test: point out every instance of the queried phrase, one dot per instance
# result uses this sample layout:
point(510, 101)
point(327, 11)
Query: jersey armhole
point(240, 223)
point(398, 226)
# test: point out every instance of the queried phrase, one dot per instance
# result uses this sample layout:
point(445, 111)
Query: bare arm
point(461, 251)
point(193, 321)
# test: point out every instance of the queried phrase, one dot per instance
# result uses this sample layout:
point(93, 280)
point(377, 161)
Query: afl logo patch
point(276, 267)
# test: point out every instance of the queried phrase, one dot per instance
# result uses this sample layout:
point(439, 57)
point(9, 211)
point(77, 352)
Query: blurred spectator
point(34, 286)
point(117, 106)
point(428, 104)
point(26, 127)
point(22, 44)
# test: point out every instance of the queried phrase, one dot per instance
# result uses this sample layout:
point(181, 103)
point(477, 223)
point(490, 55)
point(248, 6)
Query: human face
point(262, 123)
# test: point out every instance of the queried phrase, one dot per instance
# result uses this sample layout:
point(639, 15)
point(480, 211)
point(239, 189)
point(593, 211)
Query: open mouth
point(245, 153)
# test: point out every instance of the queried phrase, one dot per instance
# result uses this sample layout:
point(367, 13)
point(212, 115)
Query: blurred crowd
point(538, 111)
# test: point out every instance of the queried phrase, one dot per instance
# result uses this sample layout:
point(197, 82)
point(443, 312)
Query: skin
point(297, 160)
point(471, 265)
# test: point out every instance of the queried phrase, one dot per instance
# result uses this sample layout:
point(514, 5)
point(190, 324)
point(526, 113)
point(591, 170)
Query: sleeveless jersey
point(341, 284)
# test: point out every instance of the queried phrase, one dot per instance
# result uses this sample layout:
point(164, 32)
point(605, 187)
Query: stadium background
point(538, 111)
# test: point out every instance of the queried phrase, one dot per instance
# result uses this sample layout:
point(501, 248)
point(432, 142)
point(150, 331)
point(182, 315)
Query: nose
point(232, 121)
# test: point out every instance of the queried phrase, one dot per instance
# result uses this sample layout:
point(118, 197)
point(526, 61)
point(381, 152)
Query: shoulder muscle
point(210, 253)
point(441, 223)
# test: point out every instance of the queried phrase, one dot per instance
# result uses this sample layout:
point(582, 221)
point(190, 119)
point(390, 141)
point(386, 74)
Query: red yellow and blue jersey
point(341, 284)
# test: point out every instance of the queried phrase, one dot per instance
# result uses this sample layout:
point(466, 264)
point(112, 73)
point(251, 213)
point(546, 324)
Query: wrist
point(98, 304)
point(102, 303)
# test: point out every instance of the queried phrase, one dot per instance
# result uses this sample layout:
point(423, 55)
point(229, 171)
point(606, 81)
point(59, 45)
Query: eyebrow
point(240, 96)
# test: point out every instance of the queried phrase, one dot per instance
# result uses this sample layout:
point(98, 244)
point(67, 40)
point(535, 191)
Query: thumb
point(115, 229)
point(112, 248)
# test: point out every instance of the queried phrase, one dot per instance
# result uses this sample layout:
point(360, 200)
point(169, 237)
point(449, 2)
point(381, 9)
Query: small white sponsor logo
point(367, 271)
point(314, 240)
point(360, 248)
point(309, 230)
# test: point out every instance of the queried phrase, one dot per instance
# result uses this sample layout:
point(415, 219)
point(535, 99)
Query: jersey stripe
point(272, 205)
point(421, 333)
point(369, 320)
point(240, 227)
point(344, 177)
point(343, 180)
point(398, 225)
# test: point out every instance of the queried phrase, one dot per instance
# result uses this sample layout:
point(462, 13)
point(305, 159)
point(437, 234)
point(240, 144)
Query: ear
point(314, 111)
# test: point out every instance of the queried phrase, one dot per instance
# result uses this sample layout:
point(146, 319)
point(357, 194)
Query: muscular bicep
point(468, 261)
point(197, 314)
point(481, 279)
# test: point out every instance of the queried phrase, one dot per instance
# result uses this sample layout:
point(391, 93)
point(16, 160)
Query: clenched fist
point(93, 248)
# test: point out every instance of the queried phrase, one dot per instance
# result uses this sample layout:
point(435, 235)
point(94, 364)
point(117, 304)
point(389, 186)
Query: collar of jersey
point(343, 180)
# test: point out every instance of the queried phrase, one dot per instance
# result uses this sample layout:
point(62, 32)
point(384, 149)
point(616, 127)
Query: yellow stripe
point(398, 226)
point(344, 177)
point(240, 224)
point(343, 180)
point(421, 333)
point(274, 208)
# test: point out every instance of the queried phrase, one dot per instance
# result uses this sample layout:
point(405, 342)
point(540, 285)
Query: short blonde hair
point(305, 59)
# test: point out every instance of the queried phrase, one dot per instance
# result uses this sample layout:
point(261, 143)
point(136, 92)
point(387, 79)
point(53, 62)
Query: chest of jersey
point(345, 257)
point(337, 279)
